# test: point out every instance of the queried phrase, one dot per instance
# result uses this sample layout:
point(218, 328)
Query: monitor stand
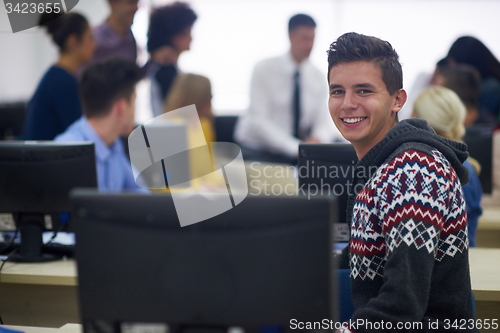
point(30, 249)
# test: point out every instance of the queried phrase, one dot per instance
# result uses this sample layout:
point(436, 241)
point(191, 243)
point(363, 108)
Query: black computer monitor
point(259, 265)
point(35, 180)
point(328, 169)
point(12, 117)
point(479, 139)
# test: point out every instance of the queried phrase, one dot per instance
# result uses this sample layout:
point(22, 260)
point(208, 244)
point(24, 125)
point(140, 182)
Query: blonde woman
point(189, 89)
point(445, 113)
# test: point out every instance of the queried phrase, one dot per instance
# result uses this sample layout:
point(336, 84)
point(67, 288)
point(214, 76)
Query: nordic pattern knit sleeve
point(408, 240)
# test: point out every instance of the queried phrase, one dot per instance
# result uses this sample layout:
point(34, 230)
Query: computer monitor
point(153, 145)
point(259, 265)
point(35, 180)
point(479, 139)
point(328, 169)
point(12, 119)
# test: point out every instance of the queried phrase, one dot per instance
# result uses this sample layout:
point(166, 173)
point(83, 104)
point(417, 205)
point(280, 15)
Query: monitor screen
point(35, 180)
point(152, 144)
point(328, 169)
point(259, 265)
point(479, 140)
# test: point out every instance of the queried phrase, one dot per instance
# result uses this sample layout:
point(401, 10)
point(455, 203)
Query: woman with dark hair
point(56, 104)
point(471, 51)
point(169, 35)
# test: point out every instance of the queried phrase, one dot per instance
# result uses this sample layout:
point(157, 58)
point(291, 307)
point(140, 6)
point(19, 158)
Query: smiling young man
point(408, 250)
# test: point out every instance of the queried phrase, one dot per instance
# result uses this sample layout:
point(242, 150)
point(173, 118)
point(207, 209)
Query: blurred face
point(182, 41)
point(124, 11)
point(85, 46)
point(360, 105)
point(301, 42)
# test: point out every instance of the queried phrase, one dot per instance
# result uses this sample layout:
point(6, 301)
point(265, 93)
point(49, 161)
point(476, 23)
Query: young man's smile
point(353, 121)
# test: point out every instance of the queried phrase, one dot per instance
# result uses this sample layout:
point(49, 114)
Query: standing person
point(286, 101)
point(445, 113)
point(114, 37)
point(169, 35)
point(471, 51)
point(408, 249)
point(55, 103)
point(108, 99)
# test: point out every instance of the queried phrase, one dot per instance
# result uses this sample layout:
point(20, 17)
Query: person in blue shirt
point(108, 99)
point(55, 103)
point(445, 112)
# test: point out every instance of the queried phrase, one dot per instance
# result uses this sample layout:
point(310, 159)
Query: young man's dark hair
point(102, 84)
point(166, 22)
point(352, 47)
point(301, 20)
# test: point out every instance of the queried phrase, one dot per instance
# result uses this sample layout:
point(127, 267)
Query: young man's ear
point(120, 107)
point(399, 100)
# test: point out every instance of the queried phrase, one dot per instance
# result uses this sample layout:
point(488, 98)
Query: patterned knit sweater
point(408, 251)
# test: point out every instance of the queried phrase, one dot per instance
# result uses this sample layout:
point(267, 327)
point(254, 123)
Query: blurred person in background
point(113, 37)
point(471, 51)
point(108, 98)
point(465, 81)
point(56, 104)
point(445, 113)
point(189, 89)
point(287, 102)
point(169, 35)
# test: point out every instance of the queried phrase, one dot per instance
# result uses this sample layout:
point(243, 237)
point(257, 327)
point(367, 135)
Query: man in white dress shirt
point(288, 102)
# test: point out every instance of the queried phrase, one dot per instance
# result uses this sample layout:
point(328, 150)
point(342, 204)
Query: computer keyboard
point(59, 249)
point(51, 248)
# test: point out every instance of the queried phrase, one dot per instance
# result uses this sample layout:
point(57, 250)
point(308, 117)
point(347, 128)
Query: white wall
point(231, 35)
point(422, 31)
point(26, 55)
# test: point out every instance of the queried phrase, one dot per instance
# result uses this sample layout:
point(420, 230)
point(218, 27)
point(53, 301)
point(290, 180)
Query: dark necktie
point(296, 105)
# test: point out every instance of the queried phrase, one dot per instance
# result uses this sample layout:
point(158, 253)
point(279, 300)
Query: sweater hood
point(416, 130)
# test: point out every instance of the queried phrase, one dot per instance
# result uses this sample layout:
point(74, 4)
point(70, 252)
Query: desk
point(42, 294)
point(46, 294)
point(485, 279)
point(68, 328)
point(488, 229)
